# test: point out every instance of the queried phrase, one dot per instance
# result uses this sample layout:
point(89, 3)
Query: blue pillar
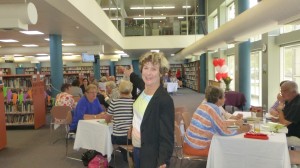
point(136, 69)
point(203, 68)
point(244, 60)
point(112, 68)
point(38, 67)
point(56, 63)
point(202, 29)
point(96, 68)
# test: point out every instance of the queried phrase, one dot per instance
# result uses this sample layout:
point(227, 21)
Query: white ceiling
point(52, 21)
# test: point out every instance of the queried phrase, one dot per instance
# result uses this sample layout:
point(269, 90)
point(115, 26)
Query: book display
point(5, 71)
point(192, 75)
point(104, 71)
point(24, 100)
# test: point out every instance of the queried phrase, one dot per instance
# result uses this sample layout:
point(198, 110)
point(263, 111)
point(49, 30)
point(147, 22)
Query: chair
point(128, 148)
point(179, 148)
point(295, 157)
point(187, 117)
point(60, 115)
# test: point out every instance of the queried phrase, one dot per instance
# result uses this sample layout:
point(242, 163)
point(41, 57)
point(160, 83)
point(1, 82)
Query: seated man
point(289, 113)
point(273, 110)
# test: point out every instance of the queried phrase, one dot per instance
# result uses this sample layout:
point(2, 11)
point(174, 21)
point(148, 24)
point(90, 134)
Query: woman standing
point(85, 83)
point(153, 114)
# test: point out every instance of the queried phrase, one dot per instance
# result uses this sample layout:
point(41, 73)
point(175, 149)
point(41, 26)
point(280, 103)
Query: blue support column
point(136, 69)
point(244, 61)
point(112, 68)
point(96, 68)
point(38, 67)
point(56, 63)
point(203, 68)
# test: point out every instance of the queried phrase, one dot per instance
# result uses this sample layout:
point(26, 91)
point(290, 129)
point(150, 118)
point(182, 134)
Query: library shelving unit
point(175, 67)
point(119, 69)
point(26, 70)
point(192, 75)
point(104, 70)
point(3, 136)
point(24, 105)
point(5, 71)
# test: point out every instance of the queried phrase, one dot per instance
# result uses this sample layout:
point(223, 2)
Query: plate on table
point(102, 121)
point(274, 127)
point(269, 116)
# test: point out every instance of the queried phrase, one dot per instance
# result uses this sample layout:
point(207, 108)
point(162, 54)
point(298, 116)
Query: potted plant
point(227, 81)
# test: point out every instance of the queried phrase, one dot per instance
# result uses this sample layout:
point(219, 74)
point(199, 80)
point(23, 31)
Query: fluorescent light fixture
point(8, 40)
point(180, 17)
point(158, 18)
point(119, 52)
point(30, 45)
point(124, 55)
point(69, 44)
point(114, 59)
point(111, 9)
point(164, 7)
point(31, 32)
point(141, 8)
point(141, 18)
point(41, 54)
point(157, 51)
point(28, 56)
point(172, 55)
point(186, 6)
point(18, 55)
point(67, 53)
point(47, 39)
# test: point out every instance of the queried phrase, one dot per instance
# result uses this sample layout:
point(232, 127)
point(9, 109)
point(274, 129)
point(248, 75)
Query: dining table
point(237, 151)
point(94, 135)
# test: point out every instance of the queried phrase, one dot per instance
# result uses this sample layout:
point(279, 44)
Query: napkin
point(256, 135)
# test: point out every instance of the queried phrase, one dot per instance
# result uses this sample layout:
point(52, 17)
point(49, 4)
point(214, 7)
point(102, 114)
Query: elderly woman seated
point(207, 121)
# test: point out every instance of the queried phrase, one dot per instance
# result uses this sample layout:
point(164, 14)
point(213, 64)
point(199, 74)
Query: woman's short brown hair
point(213, 94)
point(125, 87)
point(91, 87)
point(156, 58)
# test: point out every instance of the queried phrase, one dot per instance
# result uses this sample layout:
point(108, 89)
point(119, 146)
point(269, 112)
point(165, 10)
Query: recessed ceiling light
point(67, 53)
point(158, 18)
point(111, 9)
point(186, 6)
point(141, 8)
point(180, 17)
point(69, 44)
point(8, 40)
point(124, 55)
point(119, 52)
point(155, 51)
point(164, 7)
point(30, 45)
point(172, 55)
point(47, 39)
point(31, 32)
point(115, 18)
point(141, 18)
point(41, 54)
point(18, 55)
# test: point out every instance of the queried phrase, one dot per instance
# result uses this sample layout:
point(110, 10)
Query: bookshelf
point(24, 103)
point(174, 67)
point(26, 70)
point(3, 136)
point(104, 71)
point(119, 69)
point(192, 75)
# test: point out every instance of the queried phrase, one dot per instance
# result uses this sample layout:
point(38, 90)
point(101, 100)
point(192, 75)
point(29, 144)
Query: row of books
point(19, 119)
point(17, 82)
point(19, 107)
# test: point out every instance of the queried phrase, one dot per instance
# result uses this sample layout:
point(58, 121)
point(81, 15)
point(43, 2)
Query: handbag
point(98, 161)
point(88, 156)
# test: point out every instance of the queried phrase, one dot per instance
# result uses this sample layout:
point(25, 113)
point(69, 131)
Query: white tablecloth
point(239, 152)
point(172, 87)
point(93, 135)
point(246, 114)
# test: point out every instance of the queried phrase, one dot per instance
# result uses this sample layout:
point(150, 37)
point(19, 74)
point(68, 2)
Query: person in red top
point(178, 74)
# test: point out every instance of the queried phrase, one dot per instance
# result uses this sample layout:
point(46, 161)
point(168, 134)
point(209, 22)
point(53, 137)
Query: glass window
point(231, 70)
point(291, 63)
point(255, 78)
point(230, 12)
point(252, 3)
point(289, 28)
point(216, 22)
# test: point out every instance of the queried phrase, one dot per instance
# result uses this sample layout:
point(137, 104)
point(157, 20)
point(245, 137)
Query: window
point(231, 70)
point(230, 11)
point(291, 63)
point(216, 22)
point(252, 3)
point(289, 28)
point(255, 78)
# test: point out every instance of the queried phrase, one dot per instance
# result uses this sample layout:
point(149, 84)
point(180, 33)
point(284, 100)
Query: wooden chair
point(295, 157)
point(179, 148)
point(128, 148)
point(187, 117)
point(60, 115)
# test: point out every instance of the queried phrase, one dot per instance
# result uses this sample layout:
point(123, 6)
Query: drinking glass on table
point(257, 126)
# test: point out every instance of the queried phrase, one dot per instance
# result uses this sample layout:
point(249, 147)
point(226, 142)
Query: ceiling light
point(28, 56)
point(141, 18)
point(67, 53)
point(164, 7)
point(31, 32)
point(8, 40)
point(157, 51)
point(180, 17)
point(172, 55)
point(69, 44)
point(124, 55)
point(158, 18)
point(110, 9)
point(119, 52)
point(18, 55)
point(115, 18)
point(186, 6)
point(47, 39)
point(141, 8)
point(41, 54)
point(114, 59)
point(30, 45)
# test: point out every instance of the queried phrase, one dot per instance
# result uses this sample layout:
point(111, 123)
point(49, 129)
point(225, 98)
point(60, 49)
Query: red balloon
point(216, 62)
point(224, 75)
point(218, 76)
point(221, 62)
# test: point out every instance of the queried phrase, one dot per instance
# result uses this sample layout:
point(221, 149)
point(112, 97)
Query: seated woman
point(207, 121)
point(75, 90)
point(88, 107)
point(121, 111)
point(65, 98)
